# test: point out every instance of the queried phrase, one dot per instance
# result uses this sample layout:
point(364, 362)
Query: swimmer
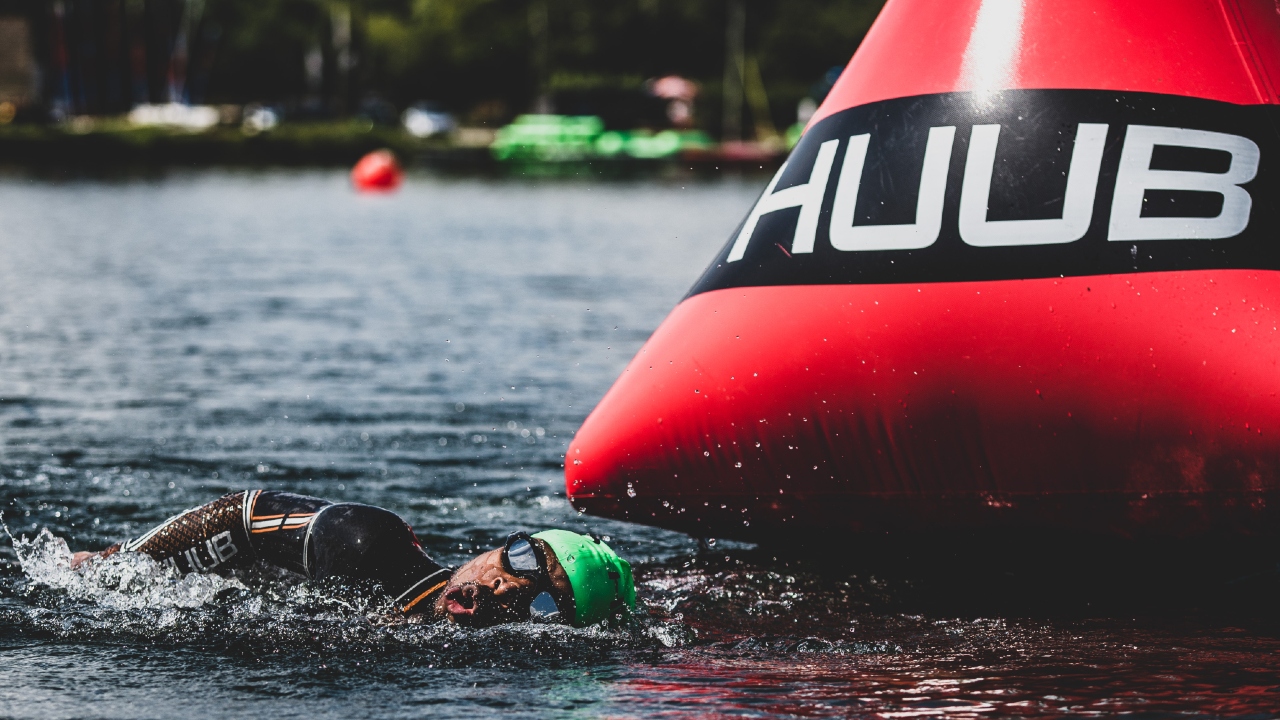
point(553, 575)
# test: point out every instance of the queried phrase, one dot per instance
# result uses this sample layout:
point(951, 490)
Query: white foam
point(124, 581)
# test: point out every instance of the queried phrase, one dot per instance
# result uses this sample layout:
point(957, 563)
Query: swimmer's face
point(483, 593)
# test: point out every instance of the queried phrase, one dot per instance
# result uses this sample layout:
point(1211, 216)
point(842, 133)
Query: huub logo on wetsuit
point(1033, 183)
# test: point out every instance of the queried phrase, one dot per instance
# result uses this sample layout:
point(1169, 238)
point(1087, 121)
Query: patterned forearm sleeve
point(306, 535)
point(210, 537)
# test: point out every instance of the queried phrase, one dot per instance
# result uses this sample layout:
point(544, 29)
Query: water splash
point(124, 581)
point(266, 612)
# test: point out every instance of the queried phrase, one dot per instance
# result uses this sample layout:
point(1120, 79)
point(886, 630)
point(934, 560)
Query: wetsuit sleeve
point(233, 531)
point(368, 543)
point(210, 537)
point(304, 534)
point(278, 525)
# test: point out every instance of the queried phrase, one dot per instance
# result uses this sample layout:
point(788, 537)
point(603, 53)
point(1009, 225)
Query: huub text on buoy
point(1020, 274)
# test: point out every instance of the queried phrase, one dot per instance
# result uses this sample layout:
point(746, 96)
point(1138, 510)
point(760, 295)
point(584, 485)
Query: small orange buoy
point(377, 172)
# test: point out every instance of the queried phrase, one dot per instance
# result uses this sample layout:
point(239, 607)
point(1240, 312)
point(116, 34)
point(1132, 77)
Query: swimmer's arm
point(202, 539)
point(368, 543)
point(79, 558)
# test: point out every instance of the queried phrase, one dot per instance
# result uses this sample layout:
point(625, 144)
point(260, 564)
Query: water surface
point(164, 341)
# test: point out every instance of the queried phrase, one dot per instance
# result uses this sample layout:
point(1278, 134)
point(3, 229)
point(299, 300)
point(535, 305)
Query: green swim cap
point(601, 581)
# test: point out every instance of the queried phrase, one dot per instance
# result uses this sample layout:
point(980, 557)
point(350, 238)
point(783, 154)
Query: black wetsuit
point(307, 535)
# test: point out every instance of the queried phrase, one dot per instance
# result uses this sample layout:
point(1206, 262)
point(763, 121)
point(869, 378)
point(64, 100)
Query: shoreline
point(117, 145)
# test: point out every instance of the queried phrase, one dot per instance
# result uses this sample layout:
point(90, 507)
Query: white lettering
point(1077, 209)
point(1135, 177)
point(933, 185)
point(808, 197)
point(221, 547)
point(213, 555)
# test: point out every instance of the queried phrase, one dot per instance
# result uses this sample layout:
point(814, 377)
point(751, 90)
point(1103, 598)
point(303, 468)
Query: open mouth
point(460, 600)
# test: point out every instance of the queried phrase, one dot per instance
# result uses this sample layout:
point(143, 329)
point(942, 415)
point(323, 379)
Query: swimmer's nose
point(503, 588)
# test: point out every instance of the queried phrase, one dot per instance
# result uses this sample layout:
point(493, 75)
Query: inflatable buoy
point(1021, 274)
point(378, 172)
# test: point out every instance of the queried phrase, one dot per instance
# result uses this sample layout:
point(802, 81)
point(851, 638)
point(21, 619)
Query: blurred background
point(318, 81)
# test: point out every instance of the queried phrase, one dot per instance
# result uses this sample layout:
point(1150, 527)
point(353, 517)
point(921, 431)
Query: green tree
point(469, 53)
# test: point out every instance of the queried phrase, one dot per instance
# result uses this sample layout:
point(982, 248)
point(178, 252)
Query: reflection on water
point(432, 352)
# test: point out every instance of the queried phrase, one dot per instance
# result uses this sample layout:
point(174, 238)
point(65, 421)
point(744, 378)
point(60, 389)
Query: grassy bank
point(115, 142)
point(113, 145)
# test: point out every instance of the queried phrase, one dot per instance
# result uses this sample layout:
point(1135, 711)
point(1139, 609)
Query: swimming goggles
point(523, 558)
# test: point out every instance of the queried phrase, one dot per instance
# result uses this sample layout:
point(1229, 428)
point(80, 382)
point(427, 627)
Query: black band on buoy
point(1014, 185)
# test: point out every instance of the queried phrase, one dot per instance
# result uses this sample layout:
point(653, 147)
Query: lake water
point(167, 340)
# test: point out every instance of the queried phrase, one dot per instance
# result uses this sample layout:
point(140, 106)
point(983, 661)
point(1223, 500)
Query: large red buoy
point(1021, 275)
point(377, 172)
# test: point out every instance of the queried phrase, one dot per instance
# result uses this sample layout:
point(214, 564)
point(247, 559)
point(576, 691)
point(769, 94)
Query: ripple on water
point(169, 340)
point(715, 640)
